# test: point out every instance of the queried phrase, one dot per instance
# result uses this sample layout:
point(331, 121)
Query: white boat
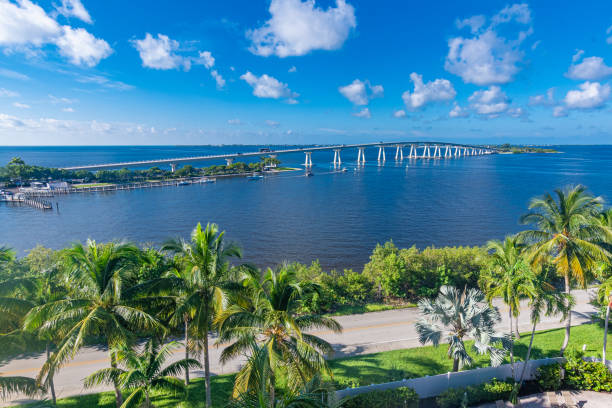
point(206, 180)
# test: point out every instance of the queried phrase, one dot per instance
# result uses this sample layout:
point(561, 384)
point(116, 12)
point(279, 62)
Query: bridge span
point(417, 150)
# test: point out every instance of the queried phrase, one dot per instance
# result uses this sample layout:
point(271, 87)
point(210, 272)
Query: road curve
point(362, 334)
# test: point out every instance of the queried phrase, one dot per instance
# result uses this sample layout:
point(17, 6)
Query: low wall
point(431, 386)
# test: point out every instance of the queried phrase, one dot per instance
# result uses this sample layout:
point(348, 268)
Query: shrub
point(549, 377)
point(583, 375)
point(402, 397)
point(476, 394)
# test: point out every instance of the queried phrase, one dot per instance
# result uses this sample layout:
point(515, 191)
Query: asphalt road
point(362, 334)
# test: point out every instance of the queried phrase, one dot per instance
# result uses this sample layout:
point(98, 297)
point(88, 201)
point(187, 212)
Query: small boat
point(182, 183)
point(309, 174)
point(207, 180)
point(255, 177)
point(344, 170)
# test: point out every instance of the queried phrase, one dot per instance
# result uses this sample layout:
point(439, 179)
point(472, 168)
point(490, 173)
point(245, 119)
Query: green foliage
point(402, 397)
point(475, 394)
point(583, 375)
point(549, 377)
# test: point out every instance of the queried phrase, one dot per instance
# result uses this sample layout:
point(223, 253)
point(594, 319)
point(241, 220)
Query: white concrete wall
point(431, 386)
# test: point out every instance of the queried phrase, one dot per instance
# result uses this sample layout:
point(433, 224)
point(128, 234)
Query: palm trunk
point(568, 322)
point(518, 334)
point(118, 394)
point(272, 390)
point(605, 339)
point(455, 364)
point(52, 385)
point(147, 399)
point(186, 349)
point(522, 378)
point(511, 341)
point(207, 370)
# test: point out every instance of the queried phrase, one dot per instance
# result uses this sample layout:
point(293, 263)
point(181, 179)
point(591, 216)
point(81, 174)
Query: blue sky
point(291, 71)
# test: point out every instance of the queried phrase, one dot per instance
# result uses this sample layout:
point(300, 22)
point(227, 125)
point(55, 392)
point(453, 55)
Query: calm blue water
point(336, 218)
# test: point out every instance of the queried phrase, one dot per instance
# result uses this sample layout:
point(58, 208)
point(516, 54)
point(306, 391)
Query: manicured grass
point(375, 368)
point(368, 307)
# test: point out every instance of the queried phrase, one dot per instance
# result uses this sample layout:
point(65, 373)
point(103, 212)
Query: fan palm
point(144, 373)
point(99, 305)
point(569, 231)
point(199, 284)
point(266, 327)
point(456, 315)
point(509, 278)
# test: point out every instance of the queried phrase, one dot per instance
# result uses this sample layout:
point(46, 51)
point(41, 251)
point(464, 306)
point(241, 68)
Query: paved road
point(362, 334)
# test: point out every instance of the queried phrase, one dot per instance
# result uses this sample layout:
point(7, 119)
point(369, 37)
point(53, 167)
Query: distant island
point(507, 148)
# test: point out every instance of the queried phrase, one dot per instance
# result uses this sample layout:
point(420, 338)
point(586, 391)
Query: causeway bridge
point(413, 150)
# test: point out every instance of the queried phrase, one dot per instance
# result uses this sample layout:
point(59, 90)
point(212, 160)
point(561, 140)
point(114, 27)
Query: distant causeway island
point(507, 148)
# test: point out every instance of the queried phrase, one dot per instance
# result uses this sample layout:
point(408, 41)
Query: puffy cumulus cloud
point(458, 112)
point(547, 99)
point(159, 53)
point(435, 91)
point(74, 8)
point(298, 27)
point(559, 112)
point(206, 58)
point(488, 58)
point(399, 113)
point(361, 92)
point(364, 113)
point(218, 78)
point(489, 102)
point(591, 69)
point(82, 48)
point(589, 95)
point(266, 86)
point(292, 69)
point(25, 26)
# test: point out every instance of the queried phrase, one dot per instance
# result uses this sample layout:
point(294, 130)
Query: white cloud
point(272, 123)
point(21, 105)
point(74, 8)
point(559, 112)
point(589, 95)
point(82, 48)
point(103, 81)
point(69, 110)
point(25, 27)
point(266, 86)
point(474, 23)
point(608, 36)
point(535, 45)
point(8, 94)
point(577, 55)
point(234, 121)
point(298, 27)
point(399, 113)
point(7, 73)
point(218, 78)
point(489, 102)
point(435, 91)
point(292, 69)
point(361, 92)
point(458, 112)
point(591, 68)
point(207, 59)
point(364, 113)
point(159, 53)
point(56, 100)
point(488, 58)
point(547, 99)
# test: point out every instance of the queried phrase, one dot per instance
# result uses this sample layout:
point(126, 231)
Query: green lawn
point(91, 185)
point(366, 308)
point(375, 368)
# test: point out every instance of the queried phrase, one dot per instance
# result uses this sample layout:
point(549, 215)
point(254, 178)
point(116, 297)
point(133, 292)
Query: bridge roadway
point(426, 146)
point(362, 334)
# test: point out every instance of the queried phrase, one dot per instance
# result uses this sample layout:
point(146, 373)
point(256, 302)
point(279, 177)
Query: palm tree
point(200, 283)
point(569, 231)
point(99, 306)
point(458, 314)
point(605, 297)
point(18, 385)
point(266, 326)
point(144, 373)
point(509, 278)
point(6, 255)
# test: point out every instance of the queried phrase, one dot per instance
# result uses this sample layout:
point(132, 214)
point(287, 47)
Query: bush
point(549, 377)
point(402, 397)
point(476, 394)
point(583, 375)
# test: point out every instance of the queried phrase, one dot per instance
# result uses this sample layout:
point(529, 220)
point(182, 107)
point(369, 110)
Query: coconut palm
point(100, 277)
point(6, 255)
point(569, 231)
point(509, 278)
point(266, 326)
point(18, 385)
point(199, 284)
point(144, 373)
point(455, 315)
point(605, 298)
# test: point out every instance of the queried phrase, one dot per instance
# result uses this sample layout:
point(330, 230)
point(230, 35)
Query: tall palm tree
point(200, 283)
point(455, 315)
point(18, 385)
point(605, 297)
point(144, 373)
point(569, 231)
point(266, 326)
point(100, 277)
point(509, 278)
